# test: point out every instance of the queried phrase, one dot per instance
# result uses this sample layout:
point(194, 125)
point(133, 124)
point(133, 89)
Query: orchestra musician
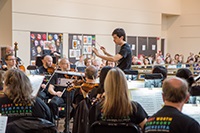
point(9, 50)
point(52, 48)
point(16, 100)
point(82, 100)
point(57, 91)
point(10, 61)
point(47, 62)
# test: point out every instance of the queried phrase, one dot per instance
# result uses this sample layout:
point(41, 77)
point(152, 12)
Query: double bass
point(18, 63)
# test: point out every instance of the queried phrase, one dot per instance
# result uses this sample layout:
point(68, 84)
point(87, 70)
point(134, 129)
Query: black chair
point(131, 74)
point(31, 125)
point(32, 69)
point(114, 127)
point(153, 80)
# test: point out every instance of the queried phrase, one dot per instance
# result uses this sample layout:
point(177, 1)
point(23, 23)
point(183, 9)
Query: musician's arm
point(110, 58)
point(53, 92)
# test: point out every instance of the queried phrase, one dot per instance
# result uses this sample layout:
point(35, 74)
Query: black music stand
point(66, 86)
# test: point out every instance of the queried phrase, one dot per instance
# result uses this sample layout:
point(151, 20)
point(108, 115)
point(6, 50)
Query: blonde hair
point(17, 87)
point(117, 103)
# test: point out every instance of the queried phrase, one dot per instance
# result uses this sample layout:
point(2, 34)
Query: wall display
point(56, 39)
point(80, 44)
point(37, 43)
point(40, 41)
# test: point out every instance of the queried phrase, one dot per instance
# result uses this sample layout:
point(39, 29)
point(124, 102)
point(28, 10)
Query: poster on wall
point(80, 44)
point(56, 40)
point(37, 43)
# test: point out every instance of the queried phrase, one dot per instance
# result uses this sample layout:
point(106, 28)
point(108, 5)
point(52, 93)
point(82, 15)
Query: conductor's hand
point(96, 51)
point(103, 49)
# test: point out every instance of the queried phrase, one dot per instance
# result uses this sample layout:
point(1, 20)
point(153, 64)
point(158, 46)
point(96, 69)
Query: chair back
point(114, 127)
point(31, 125)
point(131, 74)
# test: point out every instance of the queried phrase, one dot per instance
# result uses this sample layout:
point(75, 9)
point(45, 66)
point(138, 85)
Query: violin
point(51, 69)
point(84, 86)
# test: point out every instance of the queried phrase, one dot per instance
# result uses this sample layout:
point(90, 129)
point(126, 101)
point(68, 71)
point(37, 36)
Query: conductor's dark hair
point(119, 32)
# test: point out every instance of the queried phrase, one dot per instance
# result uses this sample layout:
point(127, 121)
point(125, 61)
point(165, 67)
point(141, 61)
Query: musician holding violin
point(83, 98)
point(45, 69)
point(57, 90)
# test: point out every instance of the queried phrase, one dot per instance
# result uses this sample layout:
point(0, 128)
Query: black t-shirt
point(126, 60)
point(135, 117)
point(56, 82)
point(171, 120)
point(16, 111)
point(42, 70)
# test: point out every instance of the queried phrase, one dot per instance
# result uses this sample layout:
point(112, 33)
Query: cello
point(19, 65)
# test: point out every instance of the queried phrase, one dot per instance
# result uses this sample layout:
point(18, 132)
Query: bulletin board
point(40, 41)
point(80, 44)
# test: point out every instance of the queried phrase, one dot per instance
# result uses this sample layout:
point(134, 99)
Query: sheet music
point(192, 110)
point(36, 81)
point(3, 123)
point(150, 99)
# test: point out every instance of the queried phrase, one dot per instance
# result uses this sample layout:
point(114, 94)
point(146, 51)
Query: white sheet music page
point(3, 123)
point(36, 81)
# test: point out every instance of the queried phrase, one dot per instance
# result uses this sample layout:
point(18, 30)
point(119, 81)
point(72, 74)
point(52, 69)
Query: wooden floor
point(61, 125)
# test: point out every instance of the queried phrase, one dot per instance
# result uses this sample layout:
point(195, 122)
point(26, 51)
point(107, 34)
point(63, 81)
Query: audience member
point(80, 62)
point(169, 118)
point(160, 69)
point(189, 77)
point(87, 62)
point(97, 63)
point(18, 100)
point(110, 63)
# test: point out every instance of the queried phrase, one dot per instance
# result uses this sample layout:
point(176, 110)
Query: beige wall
point(5, 22)
point(138, 18)
point(184, 32)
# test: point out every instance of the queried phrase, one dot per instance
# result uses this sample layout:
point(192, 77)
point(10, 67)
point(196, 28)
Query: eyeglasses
point(11, 59)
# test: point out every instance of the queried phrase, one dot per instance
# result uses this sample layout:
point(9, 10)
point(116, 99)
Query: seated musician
point(9, 50)
point(116, 104)
point(52, 48)
point(47, 62)
point(83, 98)
point(16, 100)
point(10, 62)
point(57, 91)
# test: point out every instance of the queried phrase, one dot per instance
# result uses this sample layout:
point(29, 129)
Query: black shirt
point(126, 60)
point(171, 120)
point(16, 111)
